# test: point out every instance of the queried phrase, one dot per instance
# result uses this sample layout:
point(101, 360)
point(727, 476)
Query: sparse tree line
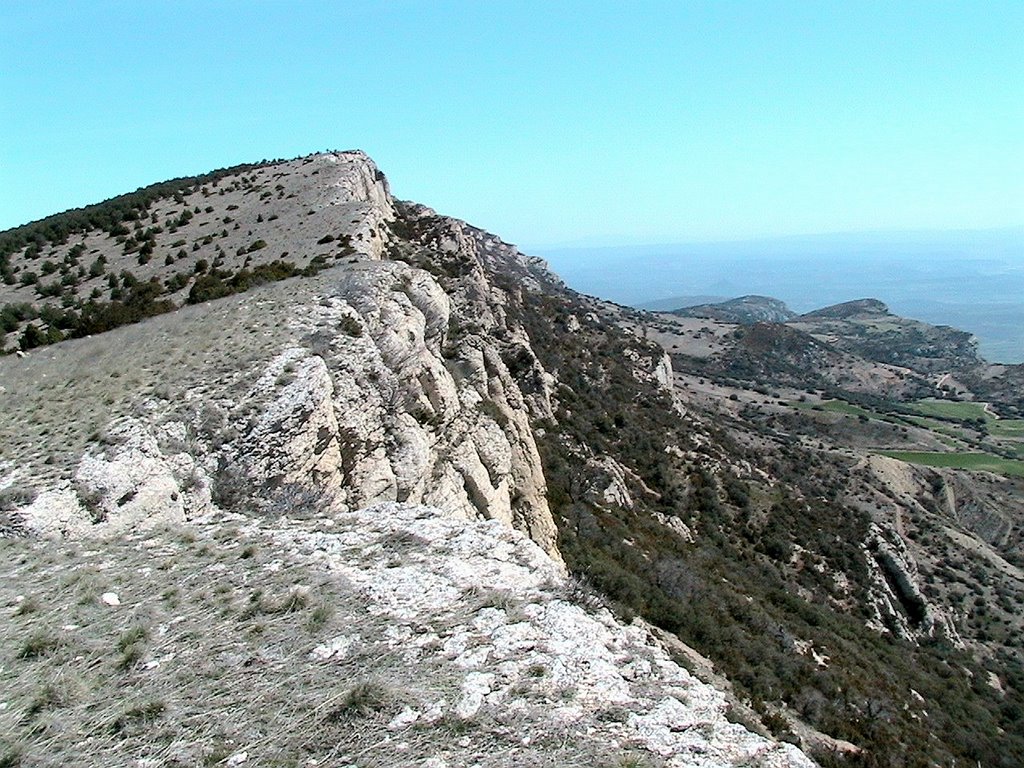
point(133, 300)
point(127, 299)
point(110, 215)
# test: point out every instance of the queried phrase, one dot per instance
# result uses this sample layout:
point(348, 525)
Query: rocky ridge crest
point(382, 383)
point(428, 362)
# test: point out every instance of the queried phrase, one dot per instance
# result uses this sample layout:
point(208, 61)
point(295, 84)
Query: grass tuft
point(132, 646)
point(27, 606)
point(39, 645)
point(319, 617)
point(10, 757)
point(296, 599)
point(362, 699)
point(132, 636)
point(138, 715)
point(50, 696)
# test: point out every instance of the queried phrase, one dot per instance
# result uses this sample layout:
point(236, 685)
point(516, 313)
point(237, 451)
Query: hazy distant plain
point(971, 280)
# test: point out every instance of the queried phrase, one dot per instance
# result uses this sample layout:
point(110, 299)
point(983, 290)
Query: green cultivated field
point(944, 431)
point(941, 417)
point(945, 409)
point(970, 461)
point(841, 406)
point(929, 410)
point(1006, 427)
point(1010, 428)
point(949, 433)
point(938, 427)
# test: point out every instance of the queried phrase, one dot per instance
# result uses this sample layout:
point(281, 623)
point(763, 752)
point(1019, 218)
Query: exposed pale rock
point(408, 424)
point(609, 487)
point(399, 389)
point(134, 486)
point(295, 438)
point(404, 719)
point(496, 603)
point(897, 594)
point(57, 512)
point(663, 372)
point(129, 486)
point(675, 524)
point(351, 181)
point(475, 688)
point(336, 648)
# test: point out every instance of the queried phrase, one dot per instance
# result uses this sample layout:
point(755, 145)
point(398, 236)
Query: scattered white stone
point(398, 634)
point(434, 712)
point(526, 644)
point(403, 719)
point(474, 658)
point(110, 598)
point(474, 688)
point(335, 648)
point(237, 759)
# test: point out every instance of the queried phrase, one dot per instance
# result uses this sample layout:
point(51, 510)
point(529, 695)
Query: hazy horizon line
point(618, 242)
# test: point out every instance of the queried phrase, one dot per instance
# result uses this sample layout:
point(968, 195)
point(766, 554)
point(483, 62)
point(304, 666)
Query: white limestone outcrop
point(129, 486)
point(392, 388)
point(487, 601)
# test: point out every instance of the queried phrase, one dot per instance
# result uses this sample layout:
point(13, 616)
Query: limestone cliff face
point(354, 195)
point(393, 383)
point(386, 406)
point(968, 511)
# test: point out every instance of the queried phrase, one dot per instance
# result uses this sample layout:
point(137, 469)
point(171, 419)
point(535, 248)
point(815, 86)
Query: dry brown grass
point(60, 399)
point(183, 671)
point(208, 656)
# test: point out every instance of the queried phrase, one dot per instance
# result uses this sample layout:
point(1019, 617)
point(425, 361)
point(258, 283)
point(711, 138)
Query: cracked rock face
point(487, 600)
point(391, 387)
point(898, 597)
point(397, 407)
point(132, 485)
point(410, 419)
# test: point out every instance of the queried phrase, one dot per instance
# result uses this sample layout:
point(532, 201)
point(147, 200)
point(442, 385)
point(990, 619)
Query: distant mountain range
point(972, 280)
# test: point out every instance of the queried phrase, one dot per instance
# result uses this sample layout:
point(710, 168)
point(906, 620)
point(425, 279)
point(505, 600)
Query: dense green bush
point(218, 284)
point(208, 288)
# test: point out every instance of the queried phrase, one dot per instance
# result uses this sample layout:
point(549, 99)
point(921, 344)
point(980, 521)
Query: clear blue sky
point(544, 122)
